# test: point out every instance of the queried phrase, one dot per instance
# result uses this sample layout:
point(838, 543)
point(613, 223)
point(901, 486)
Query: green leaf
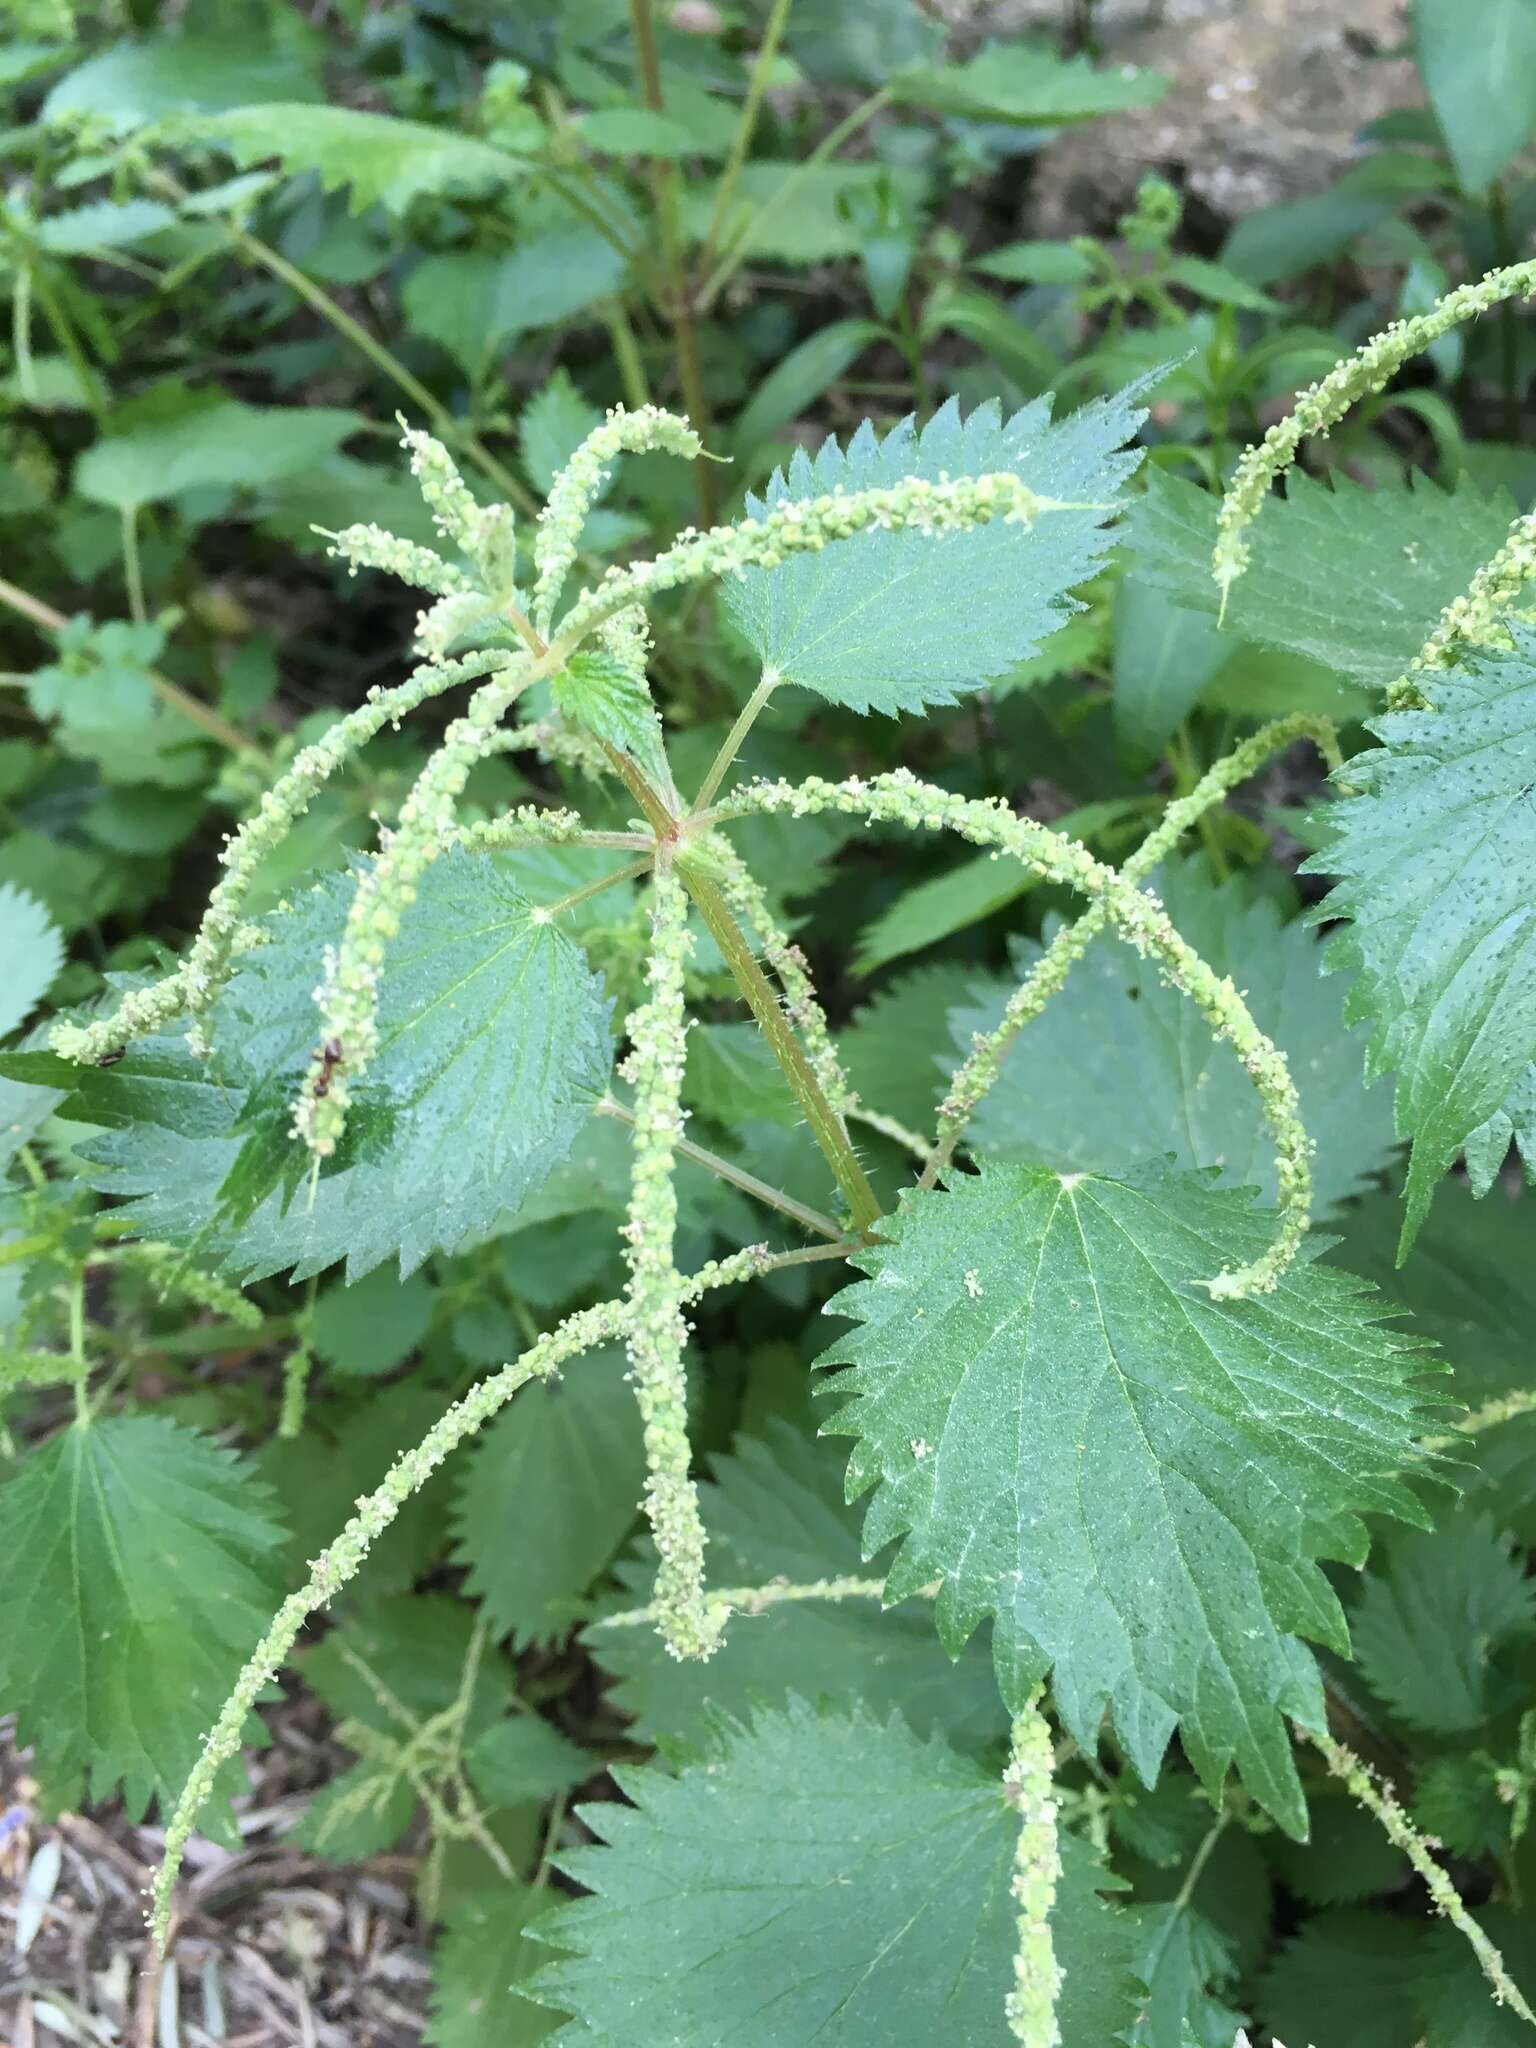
point(103, 224)
point(896, 1052)
point(471, 302)
point(553, 425)
point(614, 703)
point(1431, 1618)
point(1454, 2002)
point(1459, 1802)
point(1036, 263)
point(733, 1078)
point(33, 954)
point(228, 444)
point(367, 1330)
point(1346, 1981)
point(798, 379)
point(548, 1496)
point(634, 131)
point(774, 1510)
point(893, 621)
point(1164, 657)
point(832, 1880)
point(1478, 62)
point(134, 82)
point(1030, 85)
point(818, 222)
point(1119, 1068)
point(1351, 578)
point(1346, 1857)
point(139, 1571)
point(379, 160)
point(1135, 1480)
point(1433, 849)
point(482, 1956)
point(525, 1759)
point(492, 1027)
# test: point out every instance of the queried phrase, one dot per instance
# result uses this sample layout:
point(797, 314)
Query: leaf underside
point(1134, 1480)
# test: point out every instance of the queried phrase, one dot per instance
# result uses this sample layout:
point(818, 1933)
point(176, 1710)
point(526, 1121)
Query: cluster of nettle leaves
point(1151, 1499)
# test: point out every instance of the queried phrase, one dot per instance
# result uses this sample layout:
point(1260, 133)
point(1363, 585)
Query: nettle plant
point(1124, 1418)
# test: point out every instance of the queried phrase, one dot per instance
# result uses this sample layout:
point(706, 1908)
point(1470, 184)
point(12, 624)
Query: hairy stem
point(826, 1126)
point(731, 745)
point(1378, 1799)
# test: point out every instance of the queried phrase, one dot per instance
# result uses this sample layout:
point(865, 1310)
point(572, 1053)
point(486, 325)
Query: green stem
point(746, 126)
point(826, 1126)
point(726, 1170)
point(133, 575)
point(546, 913)
point(626, 354)
point(735, 253)
point(731, 746)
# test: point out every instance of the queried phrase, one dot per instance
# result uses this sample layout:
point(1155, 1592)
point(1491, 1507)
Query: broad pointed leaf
point(33, 953)
point(774, 1510)
point(1351, 578)
point(138, 1573)
point(1120, 1068)
point(1434, 850)
point(1134, 1479)
point(893, 621)
point(494, 1044)
point(377, 159)
point(834, 1881)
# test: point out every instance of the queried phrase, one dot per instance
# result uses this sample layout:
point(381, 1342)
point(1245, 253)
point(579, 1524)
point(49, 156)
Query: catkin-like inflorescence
point(287, 800)
point(575, 489)
point(1324, 404)
point(805, 526)
point(657, 1332)
point(983, 1064)
point(900, 799)
point(1475, 619)
point(342, 1559)
point(485, 533)
point(1031, 2005)
point(1379, 1800)
point(348, 998)
point(365, 546)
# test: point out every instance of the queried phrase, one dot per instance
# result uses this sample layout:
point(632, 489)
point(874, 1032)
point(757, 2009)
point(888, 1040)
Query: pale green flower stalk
point(744, 894)
point(342, 1559)
point(365, 546)
point(657, 1331)
point(752, 1600)
point(1031, 2005)
point(1379, 1800)
point(207, 965)
point(1477, 618)
point(645, 430)
point(1324, 404)
point(983, 1064)
point(349, 995)
point(900, 799)
point(143, 1011)
point(805, 527)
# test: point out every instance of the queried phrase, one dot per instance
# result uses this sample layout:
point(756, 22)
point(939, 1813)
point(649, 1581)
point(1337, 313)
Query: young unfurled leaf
point(1119, 1067)
point(1351, 578)
point(494, 1044)
point(1434, 851)
point(1015, 81)
point(139, 1570)
point(775, 1510)
point(893, 621)
point(1135, 1480)
point(614, 704)
point(1431, 1619)
point(549, 1495)
point(833, 1880)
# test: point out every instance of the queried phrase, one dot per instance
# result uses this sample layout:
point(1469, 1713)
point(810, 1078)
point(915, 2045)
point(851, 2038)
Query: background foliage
point(235, 241)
